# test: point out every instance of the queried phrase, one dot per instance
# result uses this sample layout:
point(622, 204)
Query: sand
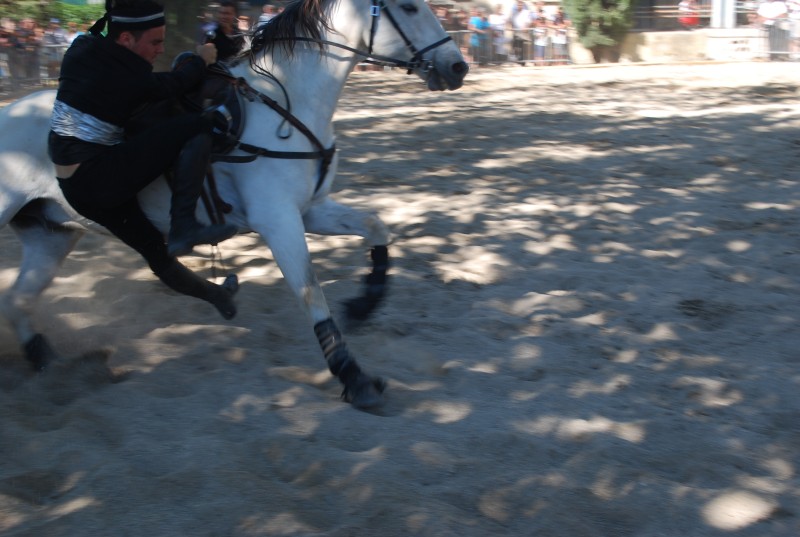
point(592, 331)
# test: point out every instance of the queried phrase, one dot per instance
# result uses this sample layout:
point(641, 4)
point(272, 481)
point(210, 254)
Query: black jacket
point(110, 82)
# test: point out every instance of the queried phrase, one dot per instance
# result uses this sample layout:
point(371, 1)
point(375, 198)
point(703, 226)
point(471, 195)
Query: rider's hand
point(208, 52)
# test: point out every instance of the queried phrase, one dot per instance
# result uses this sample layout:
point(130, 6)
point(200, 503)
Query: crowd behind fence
point(523, 47)
point(30, 56)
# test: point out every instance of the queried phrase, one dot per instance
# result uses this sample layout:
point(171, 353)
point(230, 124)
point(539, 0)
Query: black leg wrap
point(361, 307)
point(361, 390)
point(38, 352)
point(335, 350)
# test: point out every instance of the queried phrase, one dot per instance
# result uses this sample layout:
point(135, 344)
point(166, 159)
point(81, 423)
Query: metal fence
point(22, 67)
point(666, 17)
point(40, 66)
point(525, 47)
point(782, 40)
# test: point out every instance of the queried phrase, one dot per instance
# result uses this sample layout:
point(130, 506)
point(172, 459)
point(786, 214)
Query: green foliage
point(600, 23)
point(79, 14)
point(42, 12)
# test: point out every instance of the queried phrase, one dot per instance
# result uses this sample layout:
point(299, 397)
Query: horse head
point(396, 33)
point(408, 34)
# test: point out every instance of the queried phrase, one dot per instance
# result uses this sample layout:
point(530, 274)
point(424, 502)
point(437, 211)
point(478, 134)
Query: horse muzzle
point(449, 78)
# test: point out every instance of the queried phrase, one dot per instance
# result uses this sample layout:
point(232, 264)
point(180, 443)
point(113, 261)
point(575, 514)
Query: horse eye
point(409, 8)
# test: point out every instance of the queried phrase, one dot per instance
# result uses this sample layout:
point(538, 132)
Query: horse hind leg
point(331, 218)
point(44, 248)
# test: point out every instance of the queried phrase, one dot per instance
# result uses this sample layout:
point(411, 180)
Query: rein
point(322, 153)
point(416, 61)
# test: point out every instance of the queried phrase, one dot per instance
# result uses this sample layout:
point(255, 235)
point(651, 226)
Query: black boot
point(190, 171)
point(181, 279)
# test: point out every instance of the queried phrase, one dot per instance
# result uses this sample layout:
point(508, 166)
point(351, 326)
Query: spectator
point(54, 43)
point(459, 28)
point(5, 45)
point(225, 33)
point(443, 14)
point(24, 59)
point(794, 28)
point(540, 11)
point(540, 39)
point(520, 23)
point(267, 14)
point(479, 38)
point(72, 31)
point(560, 26)
point(499, 22)
point(687, 14)
point(773, 14)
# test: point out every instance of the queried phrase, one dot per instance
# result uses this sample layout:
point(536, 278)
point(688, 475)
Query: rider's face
point(149, 46)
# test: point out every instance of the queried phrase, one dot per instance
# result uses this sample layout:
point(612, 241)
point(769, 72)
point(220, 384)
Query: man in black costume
point(101, 166)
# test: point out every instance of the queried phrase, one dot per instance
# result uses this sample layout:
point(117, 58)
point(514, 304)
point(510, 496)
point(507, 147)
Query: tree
point(601, 25)
point(42, 11)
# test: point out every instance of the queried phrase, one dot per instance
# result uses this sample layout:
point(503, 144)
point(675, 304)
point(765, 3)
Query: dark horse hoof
point(39, 353)
point(360, 308)
point(365, 392)
point(223, 299)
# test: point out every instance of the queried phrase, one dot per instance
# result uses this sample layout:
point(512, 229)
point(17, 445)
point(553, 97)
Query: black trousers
point(104, 188)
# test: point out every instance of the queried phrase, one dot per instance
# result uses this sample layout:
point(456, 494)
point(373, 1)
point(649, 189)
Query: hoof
point(231, 283)
point(224, 299)
point(366, 392)
point(39, 353)
point(360, 308)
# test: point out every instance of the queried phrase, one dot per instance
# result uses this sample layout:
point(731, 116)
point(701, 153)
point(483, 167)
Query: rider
point(101, 166)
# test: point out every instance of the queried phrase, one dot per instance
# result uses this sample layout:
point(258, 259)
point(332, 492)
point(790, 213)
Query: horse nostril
point(460, 67)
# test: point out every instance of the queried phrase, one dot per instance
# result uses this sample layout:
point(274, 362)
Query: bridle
point(416, 62)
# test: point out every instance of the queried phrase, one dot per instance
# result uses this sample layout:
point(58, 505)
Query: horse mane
point(300, 18)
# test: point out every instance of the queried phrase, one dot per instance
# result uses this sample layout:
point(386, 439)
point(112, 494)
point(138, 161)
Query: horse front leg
point(331, 218)
point(285, 235)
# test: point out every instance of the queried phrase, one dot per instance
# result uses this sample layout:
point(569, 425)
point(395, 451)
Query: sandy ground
point(592, 331)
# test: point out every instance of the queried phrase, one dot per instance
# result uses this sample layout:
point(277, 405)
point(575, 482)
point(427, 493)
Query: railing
point(778, 40)
point(33, 66)
point(526, 47)
point(40, 66)
point(669, 17)
point(510, 46)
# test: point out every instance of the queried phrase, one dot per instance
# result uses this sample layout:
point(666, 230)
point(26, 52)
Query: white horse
point(301, 59)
